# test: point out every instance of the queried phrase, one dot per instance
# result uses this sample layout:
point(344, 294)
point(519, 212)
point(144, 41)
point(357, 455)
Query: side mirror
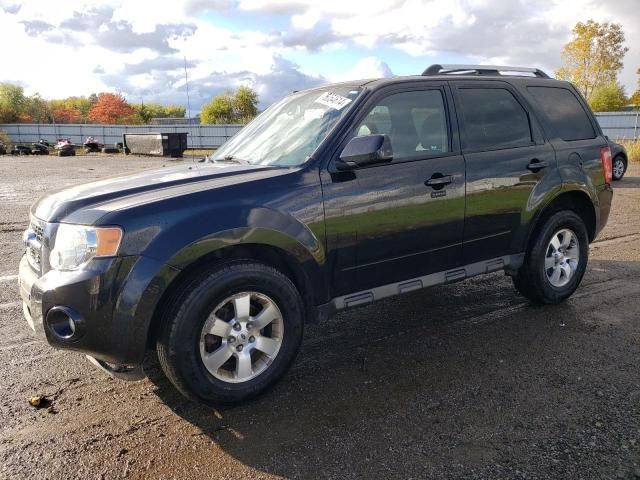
point(365, 150)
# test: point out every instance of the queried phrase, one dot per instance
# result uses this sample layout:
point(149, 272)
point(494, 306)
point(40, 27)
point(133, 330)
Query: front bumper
point(94, 295)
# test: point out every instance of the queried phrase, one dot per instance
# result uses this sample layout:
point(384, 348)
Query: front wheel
point(231, 333)
point(556, 259)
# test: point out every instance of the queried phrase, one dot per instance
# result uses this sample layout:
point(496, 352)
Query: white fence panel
point(617, 125)
point(620, 125)
point(199, 136)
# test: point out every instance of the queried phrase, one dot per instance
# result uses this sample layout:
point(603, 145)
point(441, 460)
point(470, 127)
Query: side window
point(416, 123)
point(493, 118)
point(567, 118)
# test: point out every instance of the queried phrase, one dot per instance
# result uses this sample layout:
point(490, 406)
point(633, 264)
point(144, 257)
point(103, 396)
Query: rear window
point(493, 119)
point(567, 118)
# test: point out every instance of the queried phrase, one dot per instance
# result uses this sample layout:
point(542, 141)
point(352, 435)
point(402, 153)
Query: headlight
point(75, 245)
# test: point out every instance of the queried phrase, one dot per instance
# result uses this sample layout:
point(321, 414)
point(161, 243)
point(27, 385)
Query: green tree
point(245, 103)
point(219, 110)
point(36, 109)
point(238, 107)
point(12, 102)
point(635, 98)
point(175, 111)
point(594, 55)
point(147, 111)
point(608, 98)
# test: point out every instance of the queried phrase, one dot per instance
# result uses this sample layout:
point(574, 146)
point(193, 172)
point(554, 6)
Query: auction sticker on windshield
point(333, 100)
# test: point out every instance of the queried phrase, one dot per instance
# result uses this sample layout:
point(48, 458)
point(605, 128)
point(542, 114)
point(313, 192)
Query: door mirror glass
point(365, 150)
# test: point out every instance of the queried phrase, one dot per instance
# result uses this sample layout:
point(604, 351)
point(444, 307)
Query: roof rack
point(447, 69)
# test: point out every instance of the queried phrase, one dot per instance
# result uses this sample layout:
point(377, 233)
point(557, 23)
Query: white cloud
point(369, 67)
point(139, 46)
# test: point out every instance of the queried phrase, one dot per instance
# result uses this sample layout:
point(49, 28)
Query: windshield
point(290, 130)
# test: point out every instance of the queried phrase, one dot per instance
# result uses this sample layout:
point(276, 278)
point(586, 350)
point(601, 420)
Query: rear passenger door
point(506, 157)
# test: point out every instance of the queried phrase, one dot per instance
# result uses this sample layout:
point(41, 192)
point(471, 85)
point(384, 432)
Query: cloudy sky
point(138, 47)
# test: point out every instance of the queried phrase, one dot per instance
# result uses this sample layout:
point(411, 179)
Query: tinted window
point(493, 118)
point(567, 119)
point(416, 123)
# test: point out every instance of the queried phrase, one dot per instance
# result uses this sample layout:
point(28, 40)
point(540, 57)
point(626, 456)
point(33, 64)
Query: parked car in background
point(620, 160)
point(331, 198)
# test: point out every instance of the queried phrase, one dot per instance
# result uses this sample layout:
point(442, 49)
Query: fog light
point(65, 324)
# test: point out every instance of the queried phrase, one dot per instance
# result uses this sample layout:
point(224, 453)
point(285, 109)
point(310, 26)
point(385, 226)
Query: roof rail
point(446, 69)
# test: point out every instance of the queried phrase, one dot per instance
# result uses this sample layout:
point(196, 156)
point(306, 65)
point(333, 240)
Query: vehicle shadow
point(451, 379)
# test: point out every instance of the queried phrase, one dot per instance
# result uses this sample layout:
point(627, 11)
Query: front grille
point(34, 240)
point(38, 229)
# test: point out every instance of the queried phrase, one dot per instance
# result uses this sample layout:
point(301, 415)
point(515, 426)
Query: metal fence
point(200, 136)
point(620, 125)
point(617, 125)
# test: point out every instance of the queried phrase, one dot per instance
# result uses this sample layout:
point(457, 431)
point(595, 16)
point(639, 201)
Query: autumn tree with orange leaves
point(111, 108)
point(67, 115)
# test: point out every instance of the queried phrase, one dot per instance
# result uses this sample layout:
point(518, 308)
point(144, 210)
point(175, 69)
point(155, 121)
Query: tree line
point(16, 107)
point(239, 107)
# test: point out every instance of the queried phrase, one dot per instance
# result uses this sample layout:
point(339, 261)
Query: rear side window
point(567, 118)
point(493, 119)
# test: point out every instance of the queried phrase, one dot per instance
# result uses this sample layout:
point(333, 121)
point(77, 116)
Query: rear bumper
point(605, 197)
point(108, 301)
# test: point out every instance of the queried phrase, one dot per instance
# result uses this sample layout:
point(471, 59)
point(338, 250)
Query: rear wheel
point(231, 333)
point(619, 167)
point(556, 259)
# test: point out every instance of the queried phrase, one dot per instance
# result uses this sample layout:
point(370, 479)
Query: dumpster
point(161, 144)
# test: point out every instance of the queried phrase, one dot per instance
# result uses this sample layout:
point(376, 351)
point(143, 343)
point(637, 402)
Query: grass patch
point(633, 150)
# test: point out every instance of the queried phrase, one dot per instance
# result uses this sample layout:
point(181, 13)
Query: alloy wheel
point(241, 337)
point(562, 257)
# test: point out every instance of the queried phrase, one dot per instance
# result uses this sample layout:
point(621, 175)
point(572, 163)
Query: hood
point(148, 185)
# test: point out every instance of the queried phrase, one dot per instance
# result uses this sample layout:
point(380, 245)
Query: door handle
point(439, 181)
point(535, 165)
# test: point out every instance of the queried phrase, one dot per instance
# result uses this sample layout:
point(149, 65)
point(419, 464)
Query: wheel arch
point(577, 201)
point(304, 273)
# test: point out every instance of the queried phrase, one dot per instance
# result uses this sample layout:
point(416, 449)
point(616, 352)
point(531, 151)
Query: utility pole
point(186, 81)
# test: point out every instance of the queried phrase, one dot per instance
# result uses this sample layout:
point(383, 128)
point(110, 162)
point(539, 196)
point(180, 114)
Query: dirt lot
point(461, 381)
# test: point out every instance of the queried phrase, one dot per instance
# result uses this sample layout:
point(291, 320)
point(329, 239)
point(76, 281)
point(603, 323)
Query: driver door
point(393, 220)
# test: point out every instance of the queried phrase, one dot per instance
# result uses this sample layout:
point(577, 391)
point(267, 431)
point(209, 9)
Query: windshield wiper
point(228, 159)
point(234, 159)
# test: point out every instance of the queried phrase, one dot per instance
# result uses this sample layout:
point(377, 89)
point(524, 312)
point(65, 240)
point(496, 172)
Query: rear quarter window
point(566, 117)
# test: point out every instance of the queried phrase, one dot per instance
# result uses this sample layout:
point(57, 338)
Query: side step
point(440, 278)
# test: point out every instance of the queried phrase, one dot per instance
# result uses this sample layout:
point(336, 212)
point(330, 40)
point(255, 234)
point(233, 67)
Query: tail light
point(607, 167)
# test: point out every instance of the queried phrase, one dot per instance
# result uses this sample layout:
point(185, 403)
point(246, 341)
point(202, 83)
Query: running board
point(440, 278)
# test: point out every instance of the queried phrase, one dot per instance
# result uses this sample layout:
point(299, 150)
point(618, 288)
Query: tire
point(542, 285)
point(619, 167)
point(110, 150)
point(182, 345)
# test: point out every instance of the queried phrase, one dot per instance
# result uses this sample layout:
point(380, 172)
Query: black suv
point(332, 198)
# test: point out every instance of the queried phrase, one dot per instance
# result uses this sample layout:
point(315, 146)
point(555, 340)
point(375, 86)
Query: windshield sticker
point(333, 100)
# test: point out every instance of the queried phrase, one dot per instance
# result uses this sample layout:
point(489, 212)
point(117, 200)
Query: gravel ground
point(460, 381)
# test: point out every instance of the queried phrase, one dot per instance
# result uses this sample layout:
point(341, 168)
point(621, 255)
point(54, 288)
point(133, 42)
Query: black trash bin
point(160, 144)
